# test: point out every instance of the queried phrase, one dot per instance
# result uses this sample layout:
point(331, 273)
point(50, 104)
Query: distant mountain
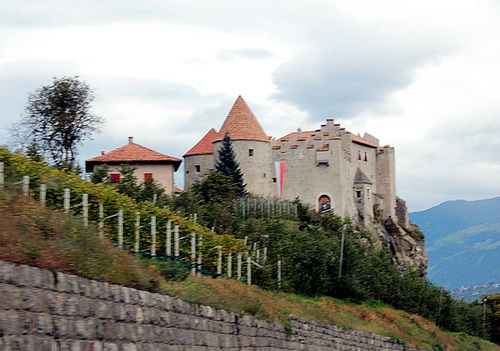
point(463, 242)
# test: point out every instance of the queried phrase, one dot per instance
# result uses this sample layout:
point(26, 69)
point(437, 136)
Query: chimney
point(130, 140)
point(102, 152)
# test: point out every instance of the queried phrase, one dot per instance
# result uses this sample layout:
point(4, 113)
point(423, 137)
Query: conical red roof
point(204, 146)
point(241, 124)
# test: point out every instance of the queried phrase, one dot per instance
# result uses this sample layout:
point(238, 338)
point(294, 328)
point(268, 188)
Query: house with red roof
point(328, 168)
point(148, 164)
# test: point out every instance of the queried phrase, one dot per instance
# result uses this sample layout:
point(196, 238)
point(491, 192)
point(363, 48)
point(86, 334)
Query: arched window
point(324, 203)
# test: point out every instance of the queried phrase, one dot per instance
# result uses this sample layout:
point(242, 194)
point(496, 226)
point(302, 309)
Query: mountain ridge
point(463, 241)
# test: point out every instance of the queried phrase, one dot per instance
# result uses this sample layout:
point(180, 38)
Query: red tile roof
point(241, 124)
point(360, 140)
point(132, 153)
point(205, 145)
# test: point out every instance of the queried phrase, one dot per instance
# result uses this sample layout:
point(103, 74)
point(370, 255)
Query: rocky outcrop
point(407, 245)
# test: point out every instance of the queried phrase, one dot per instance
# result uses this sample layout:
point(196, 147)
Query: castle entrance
point(324, 204)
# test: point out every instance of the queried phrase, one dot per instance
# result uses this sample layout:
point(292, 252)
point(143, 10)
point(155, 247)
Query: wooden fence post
point(1, 176)
point(168, 239)
point(219, 260)
point(279, 275)
point(101, 219)
point(229, 264)
point(249, 270)
point(66, 198)
point(176, 241)
point(238, 267)
point(85, 209)
point(200, 239)
point(153, 236)
point(120, 229)
point(193, 252)
point(137, 231)
point(43, 193)
point(26, 185)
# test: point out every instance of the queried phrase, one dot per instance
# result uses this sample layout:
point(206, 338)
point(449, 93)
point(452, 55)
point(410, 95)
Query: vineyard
point(139, 227)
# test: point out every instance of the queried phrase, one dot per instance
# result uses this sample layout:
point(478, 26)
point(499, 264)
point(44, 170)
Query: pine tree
point(228, 166)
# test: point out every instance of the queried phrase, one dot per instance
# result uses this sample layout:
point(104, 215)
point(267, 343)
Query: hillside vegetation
point(36, 235)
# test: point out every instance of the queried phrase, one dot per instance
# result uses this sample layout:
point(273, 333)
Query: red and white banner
point(280, 173)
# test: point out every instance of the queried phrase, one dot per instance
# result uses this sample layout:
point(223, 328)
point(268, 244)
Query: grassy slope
point(38, 236)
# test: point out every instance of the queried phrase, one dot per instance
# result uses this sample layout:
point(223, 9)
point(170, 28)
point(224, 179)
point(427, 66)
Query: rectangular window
point(250, 152)
point(197, 168)
point(148, 176)
point(274, 180)
point(358, 193)
point(114, 177)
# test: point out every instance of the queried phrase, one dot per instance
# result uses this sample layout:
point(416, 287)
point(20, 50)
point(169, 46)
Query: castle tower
point(251, 146)
point(199, 159)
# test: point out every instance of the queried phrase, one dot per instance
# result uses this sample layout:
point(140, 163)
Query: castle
point(329, 168)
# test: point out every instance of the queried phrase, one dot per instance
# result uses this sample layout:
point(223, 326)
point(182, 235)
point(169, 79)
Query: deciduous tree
point(58, 119)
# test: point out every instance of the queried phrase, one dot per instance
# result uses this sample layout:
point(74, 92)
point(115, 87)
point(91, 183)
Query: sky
point(422, 76)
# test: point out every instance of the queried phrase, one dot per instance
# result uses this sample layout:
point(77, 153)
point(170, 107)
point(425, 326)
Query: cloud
point(249, 54)
point(338, 75)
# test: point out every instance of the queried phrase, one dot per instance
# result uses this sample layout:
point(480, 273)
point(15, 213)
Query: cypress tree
point(228, 166)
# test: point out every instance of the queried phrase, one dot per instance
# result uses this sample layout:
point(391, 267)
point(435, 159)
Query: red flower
point(177, 220)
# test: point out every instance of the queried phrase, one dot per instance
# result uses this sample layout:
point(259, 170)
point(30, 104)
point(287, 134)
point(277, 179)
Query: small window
point(358, 193)
point(148, 176)
point(368, 193)
point(197, 168)
point(366, 157)
point(274, 180)
point(250, 152)
point(264, 175)
point(359, 155)
point(114, 177)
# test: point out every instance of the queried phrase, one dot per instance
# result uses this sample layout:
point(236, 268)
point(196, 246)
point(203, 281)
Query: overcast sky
point(422, 76)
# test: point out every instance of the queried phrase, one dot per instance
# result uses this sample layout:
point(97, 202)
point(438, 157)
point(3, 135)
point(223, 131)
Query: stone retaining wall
point(45, 311)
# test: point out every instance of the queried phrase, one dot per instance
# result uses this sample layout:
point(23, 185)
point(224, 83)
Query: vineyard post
point(200, 239)
point(101, 219)
point(168, 245)
point(120, 229)
point(279, 275)
point(219, 260)
point(1, 176)
point(193, 252)
point(249, 270)
point(26, 185)
point(137, 233)
point(238, 267)
point(66, 198)
point(176, 241)
point(85, 209)
point(43, 193)
point(229, 264)
point(153, 236)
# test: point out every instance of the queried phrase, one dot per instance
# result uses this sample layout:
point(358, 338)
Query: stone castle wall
point(45, 311)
